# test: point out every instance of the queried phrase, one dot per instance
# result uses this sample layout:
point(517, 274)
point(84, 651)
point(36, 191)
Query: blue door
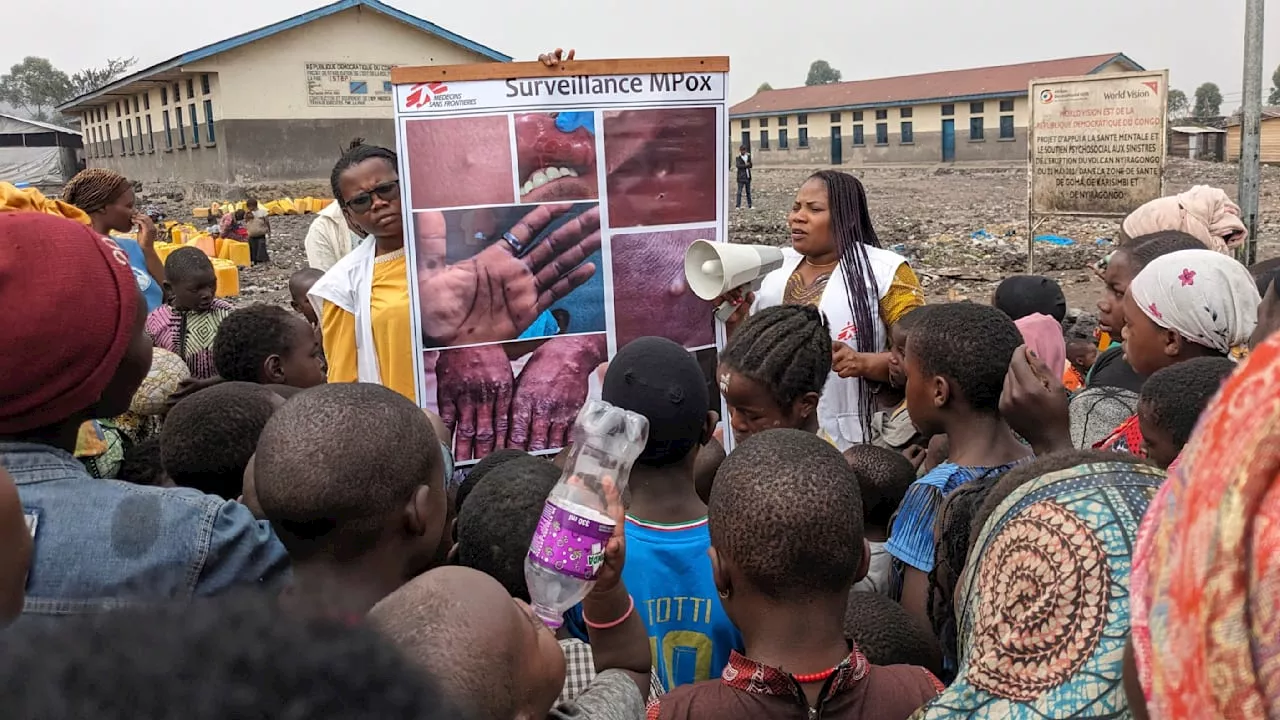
point(837, 146)
point(948, 140)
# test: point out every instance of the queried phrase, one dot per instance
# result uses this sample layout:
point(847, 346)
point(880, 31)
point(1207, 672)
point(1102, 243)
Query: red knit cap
point(69, 300)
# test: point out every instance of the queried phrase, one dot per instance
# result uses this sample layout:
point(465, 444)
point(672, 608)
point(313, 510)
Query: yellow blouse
point(392, 329)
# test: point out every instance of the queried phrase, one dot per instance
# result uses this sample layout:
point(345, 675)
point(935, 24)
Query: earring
point(724, 594)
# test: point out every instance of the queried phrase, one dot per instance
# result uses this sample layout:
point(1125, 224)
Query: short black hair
point(887, 634)
point(1176, 396)
point(494, 531)
point(486, 465)
point(1021, 295)
point(911, 317)
point(800, 488)
point(785, 348)
point(248, 336)
point(141, 464)
point(883, 478)
point(238, 657)
point(208, 438)
point(306, 276)
point(251, 203)
point(1265, 273)
point(662, 381)
point(335, 460)
point(1145, 248)
point(185, 262)
point(356, 153)
point(970, 345)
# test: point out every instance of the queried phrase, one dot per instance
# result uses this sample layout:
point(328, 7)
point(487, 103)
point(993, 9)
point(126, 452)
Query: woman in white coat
point(837, 265)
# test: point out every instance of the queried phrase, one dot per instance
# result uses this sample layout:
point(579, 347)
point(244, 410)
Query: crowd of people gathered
point(949, 510)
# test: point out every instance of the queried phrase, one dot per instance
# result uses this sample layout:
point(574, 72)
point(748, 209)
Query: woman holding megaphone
point(836, 264)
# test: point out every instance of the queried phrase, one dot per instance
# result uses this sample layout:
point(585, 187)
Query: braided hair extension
point(93, 189)
point(951, 548)
point(356, 153)
point(786, 348)
point(851, 226)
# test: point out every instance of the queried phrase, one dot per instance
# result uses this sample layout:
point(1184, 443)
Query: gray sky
point(1197, 40)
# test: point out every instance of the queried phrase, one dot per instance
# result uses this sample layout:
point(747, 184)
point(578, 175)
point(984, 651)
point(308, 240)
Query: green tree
point(1274, 97)
point(821, 73)
point(764, 86)
point(90, 79)
point(36, 86)
point(1208, 101)
point(1178, 105)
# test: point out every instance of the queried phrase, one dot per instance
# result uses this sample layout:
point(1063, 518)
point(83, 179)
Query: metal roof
point(948, 86)
point(42, 126)
point(289, 24)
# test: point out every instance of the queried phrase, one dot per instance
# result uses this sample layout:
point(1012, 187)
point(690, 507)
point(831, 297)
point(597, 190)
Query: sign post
point(1096, 146)
point(548, 211)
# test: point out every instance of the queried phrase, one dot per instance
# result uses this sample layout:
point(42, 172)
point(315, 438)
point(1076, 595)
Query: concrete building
point(1270, 136)
point(277, 103)
point(954, 116)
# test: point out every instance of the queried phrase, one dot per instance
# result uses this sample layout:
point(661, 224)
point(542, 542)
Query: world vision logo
point(1154, 85)
point(423, 93)
point(1147, 90)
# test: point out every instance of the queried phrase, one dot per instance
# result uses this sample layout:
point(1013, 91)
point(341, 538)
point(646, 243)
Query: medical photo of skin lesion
point(523, 395)
point(650, 293)
point(556, 156)
point(660, 166)
point(459, 162)
point(508, 273)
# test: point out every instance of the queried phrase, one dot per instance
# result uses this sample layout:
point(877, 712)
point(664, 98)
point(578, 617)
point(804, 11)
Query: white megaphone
point(713, 269)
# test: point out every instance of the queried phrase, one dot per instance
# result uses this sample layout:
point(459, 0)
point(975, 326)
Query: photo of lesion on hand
point(522, 395)
point(508, 273)
point(556, 156)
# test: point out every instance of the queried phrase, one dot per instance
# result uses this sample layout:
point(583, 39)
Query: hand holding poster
point(550, 211)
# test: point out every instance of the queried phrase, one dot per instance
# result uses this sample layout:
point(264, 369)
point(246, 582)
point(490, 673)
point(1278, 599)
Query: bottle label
point(569, 544)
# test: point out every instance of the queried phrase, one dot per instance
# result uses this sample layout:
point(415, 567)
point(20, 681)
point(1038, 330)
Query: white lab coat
point(840, 409)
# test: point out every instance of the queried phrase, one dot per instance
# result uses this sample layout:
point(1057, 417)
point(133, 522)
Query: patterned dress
point(189, 334)
point(1045, 593)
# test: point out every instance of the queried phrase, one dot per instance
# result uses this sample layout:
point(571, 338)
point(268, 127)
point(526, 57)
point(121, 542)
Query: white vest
point(349, 285)
point(840, 409)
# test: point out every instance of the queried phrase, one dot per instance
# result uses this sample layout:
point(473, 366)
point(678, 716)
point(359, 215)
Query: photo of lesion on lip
point(660, 166)
point(556, 156)
point(459, 162)
point(516, 272)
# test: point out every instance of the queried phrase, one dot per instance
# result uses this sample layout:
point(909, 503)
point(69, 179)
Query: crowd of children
point(192, 520)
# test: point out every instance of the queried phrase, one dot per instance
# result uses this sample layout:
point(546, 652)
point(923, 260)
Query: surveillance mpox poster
point(549, 211)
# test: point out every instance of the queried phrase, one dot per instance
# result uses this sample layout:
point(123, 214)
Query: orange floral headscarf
point(1206, 581)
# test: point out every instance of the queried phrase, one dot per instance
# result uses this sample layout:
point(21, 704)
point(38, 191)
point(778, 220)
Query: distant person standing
point(258, 228)
point(743, 163)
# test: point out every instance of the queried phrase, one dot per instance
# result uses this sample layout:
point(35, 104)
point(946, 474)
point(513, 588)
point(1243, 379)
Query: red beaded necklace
point(816, 677)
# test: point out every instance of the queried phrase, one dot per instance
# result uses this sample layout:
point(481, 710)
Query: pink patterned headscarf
point(1203, 212)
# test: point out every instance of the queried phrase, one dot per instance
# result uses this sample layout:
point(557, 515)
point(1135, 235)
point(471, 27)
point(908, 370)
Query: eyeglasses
point(361, 203)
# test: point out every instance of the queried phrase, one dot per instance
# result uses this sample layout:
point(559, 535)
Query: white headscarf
point(1204, 296)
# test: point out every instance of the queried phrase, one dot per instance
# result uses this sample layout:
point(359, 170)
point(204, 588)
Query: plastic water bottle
point(568, 545)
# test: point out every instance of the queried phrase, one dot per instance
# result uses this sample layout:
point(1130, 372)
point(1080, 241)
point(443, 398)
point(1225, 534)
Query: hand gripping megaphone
point(713, 269)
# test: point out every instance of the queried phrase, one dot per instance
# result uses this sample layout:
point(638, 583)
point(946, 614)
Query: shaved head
point(463, 628)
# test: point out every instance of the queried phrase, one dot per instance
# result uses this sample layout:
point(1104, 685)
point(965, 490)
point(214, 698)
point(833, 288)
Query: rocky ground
point(931, 212)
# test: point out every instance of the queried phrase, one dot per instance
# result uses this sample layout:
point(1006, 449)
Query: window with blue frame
point(908, 134)
point(208, 121)
point(859, 139)
point(1006, 127)
point(803, 139)
point(882, 133)
point(976, 129)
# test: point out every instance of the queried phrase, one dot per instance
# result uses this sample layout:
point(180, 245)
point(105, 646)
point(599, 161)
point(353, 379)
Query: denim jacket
point(104, 544)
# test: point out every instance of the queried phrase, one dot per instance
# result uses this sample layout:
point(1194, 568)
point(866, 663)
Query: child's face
point(922, 401)
point(897, 350)
point(1119, 274)
point(303, 364)
point(751, 408)
point(1082, 354)
point(194, 292)
point(1146, 345)
point(541, 659)
point(1157, 444)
